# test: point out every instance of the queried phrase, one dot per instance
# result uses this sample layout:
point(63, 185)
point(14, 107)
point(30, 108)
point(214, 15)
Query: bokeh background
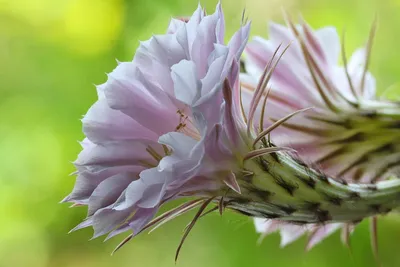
point(52, 52)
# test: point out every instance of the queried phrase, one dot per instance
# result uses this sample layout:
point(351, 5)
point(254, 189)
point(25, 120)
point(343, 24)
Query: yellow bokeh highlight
point(92, 26)
point(88, 27)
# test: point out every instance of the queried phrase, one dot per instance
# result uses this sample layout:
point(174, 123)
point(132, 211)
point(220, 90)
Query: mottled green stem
point(368, 138)
point(281, 187)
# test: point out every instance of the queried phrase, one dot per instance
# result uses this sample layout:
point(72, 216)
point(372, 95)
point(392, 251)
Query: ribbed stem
point(282, 187)
point(362, 143)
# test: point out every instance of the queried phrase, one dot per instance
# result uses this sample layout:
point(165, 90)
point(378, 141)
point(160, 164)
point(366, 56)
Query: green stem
point(287, 189)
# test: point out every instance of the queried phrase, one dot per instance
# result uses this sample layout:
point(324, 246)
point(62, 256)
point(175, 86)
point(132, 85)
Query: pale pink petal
point(280, 34)
point(138, 102)
point(102, 123)
point(141, 218)
point(290, 233)
point(213, 145)
point(179, 142)
point(232, 183)
point(328, 39)
point(239, 40)
point(204, 43)
point(106, 220)
point(192, 25)
point(220, 29)
point(108, 191)
point(174, 25)
point(321, 233)
point(217, 70)
point(88, 180)
point(186, 84)
point(266, 226)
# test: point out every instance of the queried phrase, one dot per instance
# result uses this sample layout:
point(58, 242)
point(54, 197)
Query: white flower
point(350, 133)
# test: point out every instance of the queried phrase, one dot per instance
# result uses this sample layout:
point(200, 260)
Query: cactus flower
point(350, 133)
point(172, 124)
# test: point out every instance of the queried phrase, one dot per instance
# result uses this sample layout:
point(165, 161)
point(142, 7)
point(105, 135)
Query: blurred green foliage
point(51, 54)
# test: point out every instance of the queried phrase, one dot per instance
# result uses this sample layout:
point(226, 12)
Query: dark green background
point(51, 54)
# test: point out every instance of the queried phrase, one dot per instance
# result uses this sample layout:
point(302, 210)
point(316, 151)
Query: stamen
point(166, 150)
point(187, 126)
point(147, 164)
point(154, 153)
